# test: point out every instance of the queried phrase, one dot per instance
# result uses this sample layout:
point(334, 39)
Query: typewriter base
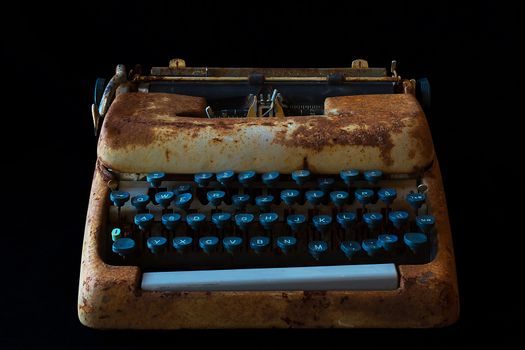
point(110, 296)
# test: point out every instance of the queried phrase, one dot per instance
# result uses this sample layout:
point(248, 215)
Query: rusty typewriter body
point(265, 198)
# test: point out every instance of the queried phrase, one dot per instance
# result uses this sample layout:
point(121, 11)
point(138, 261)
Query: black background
point(53, 53)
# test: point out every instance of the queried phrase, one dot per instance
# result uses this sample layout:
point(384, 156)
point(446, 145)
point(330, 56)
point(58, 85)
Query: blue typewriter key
point(415, 241)
point(123, 246)
point(202, 179)
point(350, 248)
point(247, 177)
point(268, 220)
point(317, 248)
point(264, 202)
point(346, 219)
point(195, 221)
point(388, 241)
point(372, 176)
point(322, 222)
point(314, 197)
point(164, 198)
point(119, 198)
point(426, 222)
point(244, 220)
point(296, 221)
point(240, 200)
point(155, 179)
point(398, 218)
point(182, 243)
point(259, 243)
point(182, 188)
point(140, 202)
point(208, 243)
point(364, 196)
point(373, 220)
point(325, 184)
point(349, 176)
point(289, 196)
point(183, 201)
point(232, 244)
point(144, 221)
point(221, 219)
point(215, 197)
point(116, 233)
point(387, 195)
point(170, 220)
point(225, 177)
point(286, 243)
point(372, 247)
point(271, 178)
point(301, 176)
point(157, 244)
point(416, 200)
point(339, 198)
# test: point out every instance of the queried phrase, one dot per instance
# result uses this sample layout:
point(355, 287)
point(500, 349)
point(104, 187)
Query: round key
point(346, 219)
point(301, 176)
point(144, 221)
point(268, 220)
point(247, 177)
point(325, 184)
point(388, 241)
point(286, 243)
point(208, 244)
point(387, 195)
point(196, 220)
point(317, 248)
point(426, 222)
point(415, 241)
point(322, 222)
point(182, 188)
point(314, 197)
point(183, 201)
point(398, 218)
point(232, 244)
point(339, 198)
point(244, 220)
point(350, 248)
point(373, 220)
point(296, 221)
point(157, 244)
point(364, 195)
point(225, 177)
point(215, 197)
point(170, 220)
point(373, 176)
point(119, 198)
point(264, 202)
point(240, 200)
point(349, 176)
point(259, 244)
point(221, 219)
point(202, 179)
point(155, 179)
point(290, 196)
point(372, 247)
point(271, 178)
point(164, 198)
point(416, 200)
point(116, 233)
point(123, 246)
point(182, 243)
point(140, 202)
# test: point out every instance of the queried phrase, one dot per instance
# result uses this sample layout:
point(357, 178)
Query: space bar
point(341, 277)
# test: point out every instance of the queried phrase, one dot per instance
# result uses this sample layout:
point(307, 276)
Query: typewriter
point(265, 198)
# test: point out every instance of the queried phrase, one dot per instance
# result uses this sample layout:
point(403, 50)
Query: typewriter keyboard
point(234, 222)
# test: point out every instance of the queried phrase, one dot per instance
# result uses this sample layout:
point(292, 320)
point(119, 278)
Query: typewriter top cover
point(265, 197)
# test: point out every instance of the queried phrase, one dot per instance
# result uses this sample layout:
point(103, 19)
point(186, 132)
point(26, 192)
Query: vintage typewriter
point(263, 197)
